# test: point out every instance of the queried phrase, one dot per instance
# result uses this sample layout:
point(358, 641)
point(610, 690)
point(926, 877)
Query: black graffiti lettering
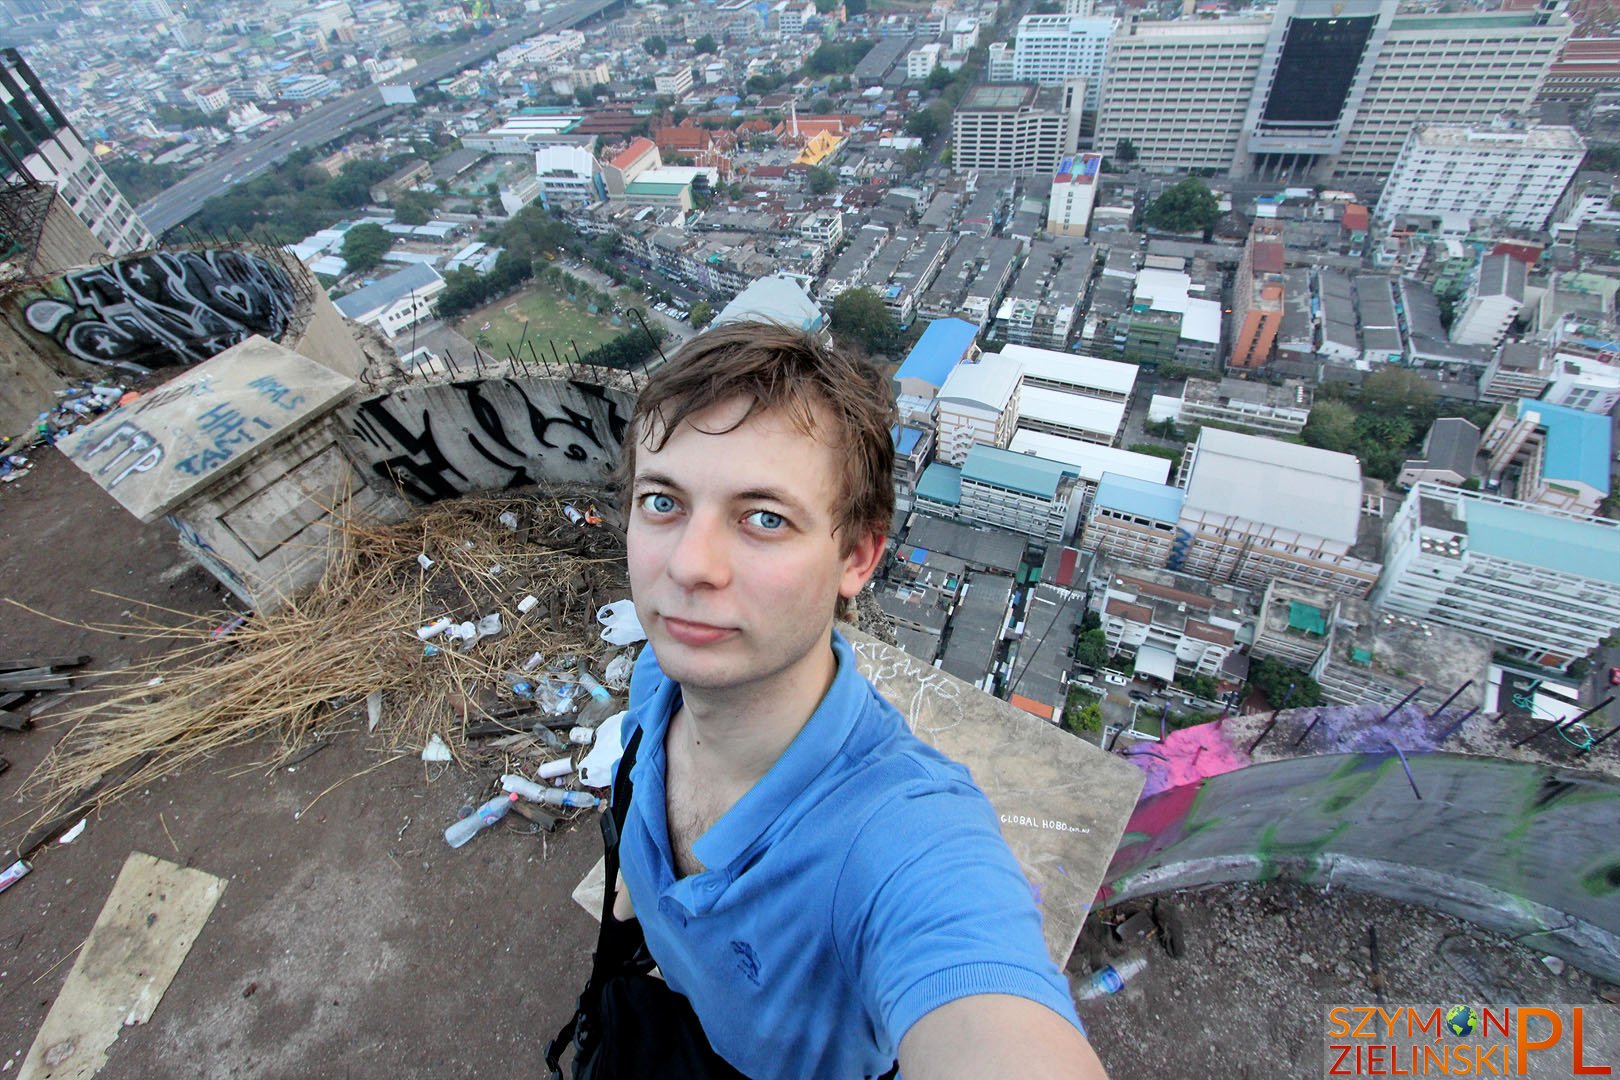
point(424, 481)
point(164, 307)
point(617, 424)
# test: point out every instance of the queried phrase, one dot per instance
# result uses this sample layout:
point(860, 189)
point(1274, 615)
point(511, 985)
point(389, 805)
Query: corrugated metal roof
point(1578, 443)
point(1018, 472)
point(942, 346)
point(1536, 539)
point(1128, 495)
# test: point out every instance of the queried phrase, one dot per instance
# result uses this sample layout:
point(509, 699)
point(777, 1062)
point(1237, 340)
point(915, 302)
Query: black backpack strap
point(616, 942)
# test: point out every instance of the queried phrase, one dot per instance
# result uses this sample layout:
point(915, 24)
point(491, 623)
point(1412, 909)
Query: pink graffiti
point(1186, 757)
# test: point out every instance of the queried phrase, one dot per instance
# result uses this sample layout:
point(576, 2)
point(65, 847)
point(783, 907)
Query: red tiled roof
point(1269, 257)
point(1030, 705)
point(627, 157)
point(1127, 610)
point(1355, 217)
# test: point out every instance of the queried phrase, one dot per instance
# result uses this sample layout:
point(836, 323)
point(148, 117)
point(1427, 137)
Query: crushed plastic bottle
point(1110, 979)
point(480, 819)
point(522, 786)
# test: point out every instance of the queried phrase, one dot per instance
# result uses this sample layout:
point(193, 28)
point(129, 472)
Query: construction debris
point(350, 650)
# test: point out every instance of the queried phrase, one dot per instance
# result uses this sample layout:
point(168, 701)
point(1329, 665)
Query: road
point(336, 118)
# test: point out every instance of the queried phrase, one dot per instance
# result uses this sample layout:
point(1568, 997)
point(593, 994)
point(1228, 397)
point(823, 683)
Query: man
point(827, 891)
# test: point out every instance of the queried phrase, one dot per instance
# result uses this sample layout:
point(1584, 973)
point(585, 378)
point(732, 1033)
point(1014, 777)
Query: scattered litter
point(526, 605)
point(549, 796)
point(534, 661)
point(73, 833)
point(373, 710)
point(573, 515)
point(435, 750)
point(14, 873)
point(1110, 979)
point(424, 562)
point(431, 650)
point(581, 736)
point(596, 768)
point(434, 628)
point(1554, 964)
point(508, 519)
point(489, 625)
point(619, 623)
point(619, 670)
point(224, 629)
point(250, 989)
point(551, 770)
point(480, 819)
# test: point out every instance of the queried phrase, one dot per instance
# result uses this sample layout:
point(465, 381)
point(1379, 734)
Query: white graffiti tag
point(148, 452)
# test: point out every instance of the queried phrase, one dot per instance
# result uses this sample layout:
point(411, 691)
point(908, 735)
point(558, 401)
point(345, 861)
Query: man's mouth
point(695, 633)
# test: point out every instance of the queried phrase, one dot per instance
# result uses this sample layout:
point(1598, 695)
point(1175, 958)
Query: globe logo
point(1462, 1020)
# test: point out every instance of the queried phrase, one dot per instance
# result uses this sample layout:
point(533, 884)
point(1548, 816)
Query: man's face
point(734, 567)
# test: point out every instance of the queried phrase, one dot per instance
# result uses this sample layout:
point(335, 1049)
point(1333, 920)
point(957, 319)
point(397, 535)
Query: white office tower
point(1052, 49)
point(1513, 173)
point(1319, 89)
point(1541, 583)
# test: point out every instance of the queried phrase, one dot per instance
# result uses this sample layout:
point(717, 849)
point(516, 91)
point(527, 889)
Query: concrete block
point(170, 445)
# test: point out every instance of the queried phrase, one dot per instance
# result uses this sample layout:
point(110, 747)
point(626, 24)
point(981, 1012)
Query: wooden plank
point(14, 722)
point(146, 928)
point(10, 699)
point(25, 662)
point(34, 679)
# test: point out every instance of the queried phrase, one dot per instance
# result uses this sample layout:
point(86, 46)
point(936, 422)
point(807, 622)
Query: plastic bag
point(619, 623)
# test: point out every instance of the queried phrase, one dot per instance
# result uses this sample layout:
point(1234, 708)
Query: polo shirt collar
point(801, 764)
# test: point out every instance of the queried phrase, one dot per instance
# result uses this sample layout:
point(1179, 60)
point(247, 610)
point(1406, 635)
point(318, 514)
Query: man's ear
point(861, 563)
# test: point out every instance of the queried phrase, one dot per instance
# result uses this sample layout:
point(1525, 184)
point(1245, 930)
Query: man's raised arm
point(996, 1035)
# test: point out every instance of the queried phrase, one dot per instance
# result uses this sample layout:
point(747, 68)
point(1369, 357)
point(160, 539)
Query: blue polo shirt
point(860, 884)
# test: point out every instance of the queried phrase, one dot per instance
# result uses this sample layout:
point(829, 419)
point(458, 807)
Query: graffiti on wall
point(447, 439)
point(163, 308)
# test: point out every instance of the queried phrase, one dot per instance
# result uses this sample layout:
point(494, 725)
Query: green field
point(548, 315)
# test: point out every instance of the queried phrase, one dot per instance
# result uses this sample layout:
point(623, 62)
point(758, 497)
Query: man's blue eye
point(765, 519)
point(658, 503)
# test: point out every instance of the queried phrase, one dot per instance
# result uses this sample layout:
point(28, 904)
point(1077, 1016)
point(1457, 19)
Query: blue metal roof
point(1577, 443)
point(1018, 472)
point(905, 438)
point(938, 351)
point(1556, 543)
point(1157, 502)
point(941, 484)
point(413, 278)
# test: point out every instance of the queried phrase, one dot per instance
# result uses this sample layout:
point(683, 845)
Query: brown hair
point(786, 371)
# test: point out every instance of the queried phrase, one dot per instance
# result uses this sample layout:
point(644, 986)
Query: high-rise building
point(1052, 49)
point(1074, 193)
point(1012, 128)
point(1511, 172)
point(40, 143)
point(1318, 89)
point(1179, 91)
point(1257, 297)
point(1540, 583)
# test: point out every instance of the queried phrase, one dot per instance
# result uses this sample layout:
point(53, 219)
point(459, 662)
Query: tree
point(911, 160)
point(1091, 649)
point(1188, 207)
point(820, 181)
point(364, 246)
point(655, 45)
point(1124, 151)
point(1081, 712)
point(853, 8)
point(939, 79)
point(1396, 390)
point(702, 314)
point(859, 316)
point(585, 95)
point(1332, 426)
point(414, 207)
point(706, 44)
point(1284, 687)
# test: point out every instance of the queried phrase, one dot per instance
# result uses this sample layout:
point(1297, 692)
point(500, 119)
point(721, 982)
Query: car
point(1614, 676)
point(1137, 695)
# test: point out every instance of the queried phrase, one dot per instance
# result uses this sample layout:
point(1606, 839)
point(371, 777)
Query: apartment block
point(1539, 582)
point(1551, 455)
point(1513, 173)
point(1258, 508)
point(1494, 298)
point(1254, 406)
point(1052, 49)
point(1171, 624)
point(1133, 521)
point(1011, 128)
point(39, 143)
point(1044, 301)
point(978, 404)
point(1074, 193)
point(1005, 490)
point(1258, 289)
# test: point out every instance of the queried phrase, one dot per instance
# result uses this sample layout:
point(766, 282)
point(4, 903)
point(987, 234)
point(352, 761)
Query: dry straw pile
point(304, 672)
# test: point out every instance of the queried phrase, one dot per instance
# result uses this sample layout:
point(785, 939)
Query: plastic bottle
point(600, 707)
point(551, 770)
point(485, 816)
point(1110, 979)
point(533, 792)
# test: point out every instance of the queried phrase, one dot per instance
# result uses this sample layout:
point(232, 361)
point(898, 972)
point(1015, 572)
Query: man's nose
point(702, 554)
